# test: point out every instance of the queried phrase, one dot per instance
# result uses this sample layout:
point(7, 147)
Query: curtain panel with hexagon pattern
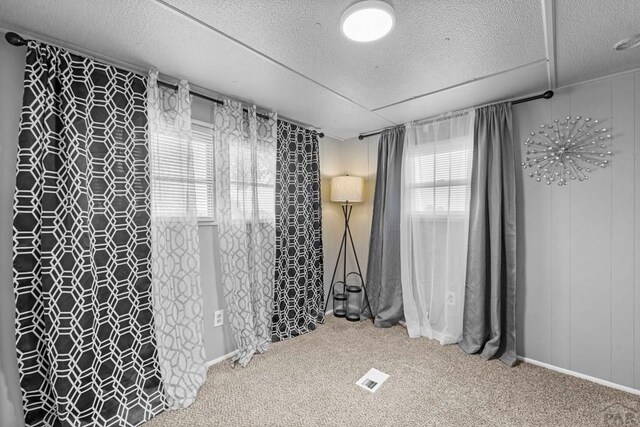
point(178, 306)
point(299, 287)
point(245, 153)
point(86, 349)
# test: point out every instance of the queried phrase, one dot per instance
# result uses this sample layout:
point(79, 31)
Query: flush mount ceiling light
point(367, 21)
point(628, 43)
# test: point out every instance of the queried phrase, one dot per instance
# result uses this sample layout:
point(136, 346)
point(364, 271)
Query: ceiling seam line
point(539, 61)
point(77, 50)
point(142, 71)
point(133, 68)
point(202, 23)
point(549, 29)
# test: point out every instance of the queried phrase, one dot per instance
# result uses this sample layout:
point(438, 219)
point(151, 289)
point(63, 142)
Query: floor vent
point(372, 380)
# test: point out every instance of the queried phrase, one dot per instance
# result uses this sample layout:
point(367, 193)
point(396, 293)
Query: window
point(252, 177)
point(171, 198)
point(204, 172)
point(441, 178)
point(244, 188)
point(438, 157)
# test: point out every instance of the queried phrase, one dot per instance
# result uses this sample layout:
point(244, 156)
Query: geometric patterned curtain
point(178, 307)
point(245, 153)
point(82, 274)
point(299, 278)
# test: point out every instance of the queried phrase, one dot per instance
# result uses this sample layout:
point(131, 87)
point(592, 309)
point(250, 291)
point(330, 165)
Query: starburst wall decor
point(566, 150)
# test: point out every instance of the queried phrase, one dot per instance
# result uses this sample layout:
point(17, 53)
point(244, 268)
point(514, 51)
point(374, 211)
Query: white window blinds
point(172, 199)
point(252, 178)
point(441, 177)
point(437, 170)
point(203, 164)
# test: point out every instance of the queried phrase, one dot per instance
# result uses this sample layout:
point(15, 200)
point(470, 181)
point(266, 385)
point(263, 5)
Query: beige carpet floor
point(309, 381)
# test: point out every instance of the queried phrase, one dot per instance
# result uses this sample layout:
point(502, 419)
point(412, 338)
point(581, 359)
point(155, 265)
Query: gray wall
point(579, 245)
point(11, 77)
point(218, 341)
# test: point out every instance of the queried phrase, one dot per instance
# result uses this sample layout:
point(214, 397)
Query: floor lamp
point(346, 190)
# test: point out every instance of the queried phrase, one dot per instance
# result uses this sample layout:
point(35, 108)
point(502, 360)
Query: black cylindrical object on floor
point(354, 299)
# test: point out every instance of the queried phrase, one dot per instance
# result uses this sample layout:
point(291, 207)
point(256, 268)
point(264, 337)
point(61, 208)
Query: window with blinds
point(171, 197)
point(252, 180)
point(441, 178)
point(204, 172)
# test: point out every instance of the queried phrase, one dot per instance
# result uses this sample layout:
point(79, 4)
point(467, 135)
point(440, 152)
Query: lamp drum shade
point(347, 189)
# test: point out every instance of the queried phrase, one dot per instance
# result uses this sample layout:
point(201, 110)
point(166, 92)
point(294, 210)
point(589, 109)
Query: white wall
point(330, 166)
point(356, 158)
point(579, 245)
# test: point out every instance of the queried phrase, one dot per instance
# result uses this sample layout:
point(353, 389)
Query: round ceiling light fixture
point(628, 43)
point(368, 20)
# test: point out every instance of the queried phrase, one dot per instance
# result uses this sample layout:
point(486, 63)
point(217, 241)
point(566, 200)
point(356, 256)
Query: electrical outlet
point(218, 318)
point(451, 298)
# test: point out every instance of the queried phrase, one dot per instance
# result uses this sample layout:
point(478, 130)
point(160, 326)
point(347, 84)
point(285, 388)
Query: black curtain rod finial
point(15, 39)
point(547, 95)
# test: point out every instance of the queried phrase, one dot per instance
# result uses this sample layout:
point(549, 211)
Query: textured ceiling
point(486, 36)
point(585, 34)
point(144, 34)
point(289, 55)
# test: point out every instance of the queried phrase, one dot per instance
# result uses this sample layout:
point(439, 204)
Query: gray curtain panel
point(489, 326)
point(384, 286)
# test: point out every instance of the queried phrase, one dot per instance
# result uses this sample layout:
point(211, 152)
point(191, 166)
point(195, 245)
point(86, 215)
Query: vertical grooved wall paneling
point(622, 221)
point(534, 219)
point(579, 245)
point(559, 247)
point(591, 248)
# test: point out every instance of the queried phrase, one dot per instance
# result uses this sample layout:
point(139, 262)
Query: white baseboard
point(579, 375)
point(233, 353)
point(221, 359)
point(524, 359)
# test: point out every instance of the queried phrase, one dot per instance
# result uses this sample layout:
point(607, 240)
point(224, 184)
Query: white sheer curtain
point(245, 151)
point(176, 288)
point(434, 223)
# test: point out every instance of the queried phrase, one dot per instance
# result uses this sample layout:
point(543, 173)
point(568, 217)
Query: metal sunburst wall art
point(566, 150)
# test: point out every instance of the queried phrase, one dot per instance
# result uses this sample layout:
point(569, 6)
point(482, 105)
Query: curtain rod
point(15, 39)
point(220, 102)
point(546, 95)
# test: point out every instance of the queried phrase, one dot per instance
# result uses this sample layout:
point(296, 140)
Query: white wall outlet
point(451, 298)
point(218, 318)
